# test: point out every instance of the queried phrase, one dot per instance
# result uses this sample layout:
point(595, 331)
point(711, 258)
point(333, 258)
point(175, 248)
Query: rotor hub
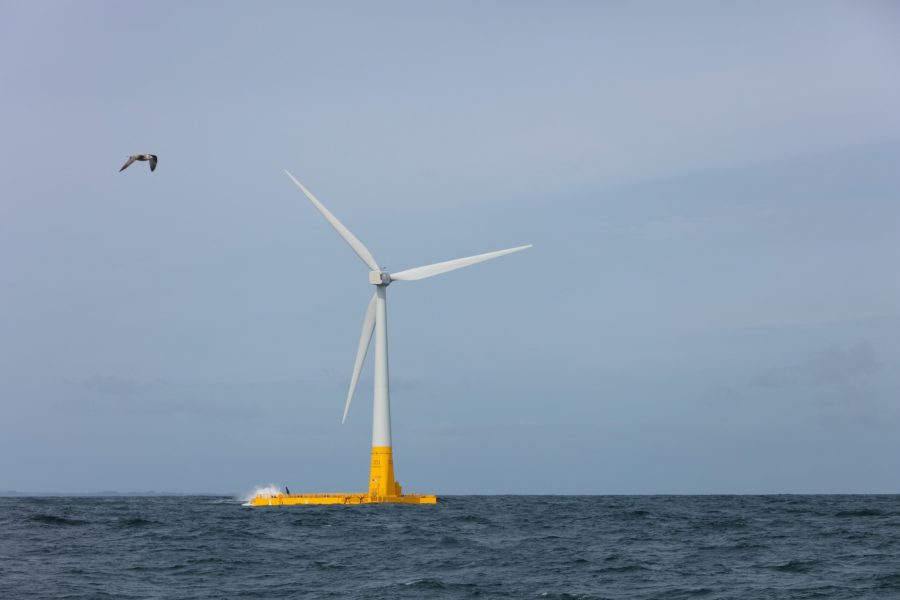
point(379, 278)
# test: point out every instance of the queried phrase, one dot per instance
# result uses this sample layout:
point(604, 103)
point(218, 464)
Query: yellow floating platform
point(293, 499)
point(383, 488)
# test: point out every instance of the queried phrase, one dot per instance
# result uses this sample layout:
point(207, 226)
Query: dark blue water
point(465, 547)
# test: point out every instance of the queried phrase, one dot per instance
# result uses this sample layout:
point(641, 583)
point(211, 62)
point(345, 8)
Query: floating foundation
point(383, 488)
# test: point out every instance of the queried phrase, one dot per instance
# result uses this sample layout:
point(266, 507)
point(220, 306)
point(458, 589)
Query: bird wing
point(152, 162)
point(131, 159)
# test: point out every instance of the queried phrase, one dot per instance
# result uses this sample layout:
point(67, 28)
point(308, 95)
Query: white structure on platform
point(376, 316)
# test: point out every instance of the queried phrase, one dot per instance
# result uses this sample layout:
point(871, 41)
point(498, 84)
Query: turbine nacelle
point(379, 278)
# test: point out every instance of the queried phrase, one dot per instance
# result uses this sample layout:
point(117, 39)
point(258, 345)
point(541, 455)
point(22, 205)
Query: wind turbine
point(382, 485)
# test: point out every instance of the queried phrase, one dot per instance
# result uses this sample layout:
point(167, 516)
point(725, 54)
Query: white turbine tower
point(382, 486)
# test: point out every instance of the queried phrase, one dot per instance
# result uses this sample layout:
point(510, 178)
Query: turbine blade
point(364, 339)
point(450, 265)
point(345, 233)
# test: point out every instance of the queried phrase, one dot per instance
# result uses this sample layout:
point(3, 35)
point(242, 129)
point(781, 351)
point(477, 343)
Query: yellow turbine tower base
point(382, 488)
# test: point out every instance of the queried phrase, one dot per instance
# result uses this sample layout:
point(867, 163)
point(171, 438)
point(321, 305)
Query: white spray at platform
point(261, 490)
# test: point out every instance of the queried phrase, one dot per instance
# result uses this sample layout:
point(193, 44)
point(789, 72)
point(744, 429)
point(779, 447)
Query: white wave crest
point(260, 490)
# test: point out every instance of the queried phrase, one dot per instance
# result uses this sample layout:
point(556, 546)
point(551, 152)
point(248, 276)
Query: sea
point(547, 547)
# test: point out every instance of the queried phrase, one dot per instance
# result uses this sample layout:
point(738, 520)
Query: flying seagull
point(134, 157)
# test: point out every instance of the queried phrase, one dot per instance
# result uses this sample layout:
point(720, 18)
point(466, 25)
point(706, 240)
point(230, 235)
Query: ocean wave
point(56, 520)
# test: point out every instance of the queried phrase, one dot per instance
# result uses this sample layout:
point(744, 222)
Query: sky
point(711, 304)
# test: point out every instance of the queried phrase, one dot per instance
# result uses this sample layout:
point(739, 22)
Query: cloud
point(118, 386)
point(113, 394)
point(833, 366)
point(677, 227)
